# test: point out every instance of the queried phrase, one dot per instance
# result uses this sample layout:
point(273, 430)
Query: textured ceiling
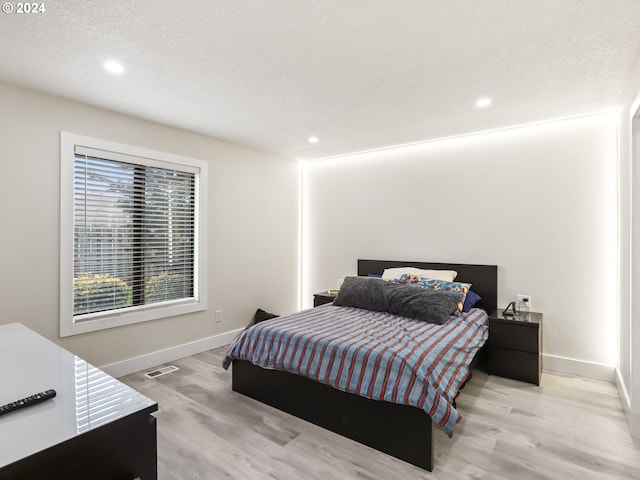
point(359, 74)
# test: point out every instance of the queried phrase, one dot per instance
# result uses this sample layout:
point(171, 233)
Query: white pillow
point(391, 273)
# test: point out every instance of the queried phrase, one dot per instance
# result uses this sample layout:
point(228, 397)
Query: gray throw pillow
point(424, 304)
point(363, 292)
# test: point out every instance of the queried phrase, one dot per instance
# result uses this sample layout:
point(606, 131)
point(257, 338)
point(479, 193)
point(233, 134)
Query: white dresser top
point(86, 396)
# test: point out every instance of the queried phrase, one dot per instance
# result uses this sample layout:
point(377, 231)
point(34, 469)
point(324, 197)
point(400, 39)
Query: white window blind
point(135, 234)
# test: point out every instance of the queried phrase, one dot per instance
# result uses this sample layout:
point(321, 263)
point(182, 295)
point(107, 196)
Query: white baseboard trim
point(580, 368)
point(623, 392)
point(633, 418)
point(634, 424)
point(153, 359)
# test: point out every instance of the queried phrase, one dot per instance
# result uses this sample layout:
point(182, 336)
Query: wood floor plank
point(568, 427)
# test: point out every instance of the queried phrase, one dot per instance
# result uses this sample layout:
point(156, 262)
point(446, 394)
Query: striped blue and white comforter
point(373, 354)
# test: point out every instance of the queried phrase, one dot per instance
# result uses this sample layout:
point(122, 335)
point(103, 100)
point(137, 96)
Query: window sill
point(70, 325)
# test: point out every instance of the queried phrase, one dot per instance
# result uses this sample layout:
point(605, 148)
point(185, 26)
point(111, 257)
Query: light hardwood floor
point(568, 428)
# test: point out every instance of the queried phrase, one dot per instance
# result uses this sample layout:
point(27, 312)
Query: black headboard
point(483, 278)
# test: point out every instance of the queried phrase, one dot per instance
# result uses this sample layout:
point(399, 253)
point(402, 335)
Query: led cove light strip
point(610, 111)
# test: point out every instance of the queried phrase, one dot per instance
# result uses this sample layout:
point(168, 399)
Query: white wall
point(538, 201)
point(629, 173)
point(252, 226)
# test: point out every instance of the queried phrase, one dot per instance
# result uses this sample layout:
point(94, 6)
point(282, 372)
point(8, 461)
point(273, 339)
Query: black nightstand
point(324, 297)
point(515, 346)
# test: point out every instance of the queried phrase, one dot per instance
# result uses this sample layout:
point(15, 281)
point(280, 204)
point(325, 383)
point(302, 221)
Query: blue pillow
point(470, 300)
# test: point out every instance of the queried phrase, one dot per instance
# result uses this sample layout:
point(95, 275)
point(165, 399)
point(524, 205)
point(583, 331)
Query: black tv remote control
point(27, 401)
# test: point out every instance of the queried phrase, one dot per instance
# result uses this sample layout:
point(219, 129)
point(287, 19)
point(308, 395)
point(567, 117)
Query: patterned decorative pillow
point(391, 273)
point(406, 279)
point(434, 284)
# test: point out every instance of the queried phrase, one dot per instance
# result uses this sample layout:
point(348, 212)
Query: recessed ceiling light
point(114, 67)
point(483, 102)
point(313, 139)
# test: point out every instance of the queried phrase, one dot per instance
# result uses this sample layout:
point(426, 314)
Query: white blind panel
point(132, 159)
point(134, 234)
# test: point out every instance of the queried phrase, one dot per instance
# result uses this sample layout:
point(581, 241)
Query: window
point(131, 235)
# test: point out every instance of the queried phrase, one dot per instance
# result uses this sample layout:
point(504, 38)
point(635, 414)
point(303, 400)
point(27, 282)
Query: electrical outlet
point(523, 302)
point(218, 316)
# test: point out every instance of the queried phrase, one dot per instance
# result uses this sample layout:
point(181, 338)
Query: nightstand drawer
point(514, 337)
point(517, 365)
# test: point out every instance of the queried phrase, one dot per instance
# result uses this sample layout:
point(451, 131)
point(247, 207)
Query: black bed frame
point(402, 431)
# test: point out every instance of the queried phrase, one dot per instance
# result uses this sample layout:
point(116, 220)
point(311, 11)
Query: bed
point(404, 431)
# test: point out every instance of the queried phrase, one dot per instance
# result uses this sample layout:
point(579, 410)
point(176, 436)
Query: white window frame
point(143, 313)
